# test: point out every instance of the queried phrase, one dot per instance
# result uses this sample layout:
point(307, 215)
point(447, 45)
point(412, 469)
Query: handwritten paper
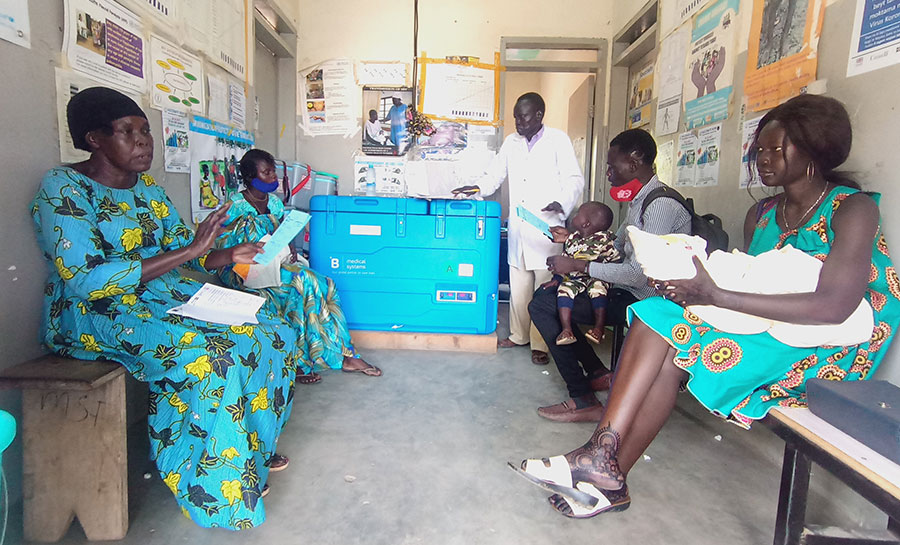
point(290, 227)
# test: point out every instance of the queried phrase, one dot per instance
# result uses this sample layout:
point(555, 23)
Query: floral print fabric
point(741, 377)
point(306, 299)
point(219, 395)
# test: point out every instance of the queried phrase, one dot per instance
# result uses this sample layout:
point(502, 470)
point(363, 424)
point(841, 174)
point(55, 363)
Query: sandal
point(612, 501)
point(539, 358)
point(369, 369)
point(595, 334)
point(265, 491)
point(566, 337)
point(309, 378)
point(278, 462)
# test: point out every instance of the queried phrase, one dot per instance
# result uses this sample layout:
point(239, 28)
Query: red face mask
point(625, 192)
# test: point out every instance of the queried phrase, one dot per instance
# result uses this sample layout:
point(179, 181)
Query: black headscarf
point(96, 108)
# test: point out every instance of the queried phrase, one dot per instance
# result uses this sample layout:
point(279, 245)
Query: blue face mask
point(263, 186)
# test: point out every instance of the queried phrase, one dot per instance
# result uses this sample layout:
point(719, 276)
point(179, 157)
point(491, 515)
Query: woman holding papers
point(219, 394)
point(307, 300)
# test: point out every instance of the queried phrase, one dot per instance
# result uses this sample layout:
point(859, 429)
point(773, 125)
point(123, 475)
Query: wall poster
point(216, 149)
point(782, 54)
point(709, 65)
point(875, 42)
point(176, 78)
point(641, 91)
point(104, 40)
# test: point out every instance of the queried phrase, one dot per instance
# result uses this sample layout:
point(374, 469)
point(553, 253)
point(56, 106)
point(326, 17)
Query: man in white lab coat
point(545, 179)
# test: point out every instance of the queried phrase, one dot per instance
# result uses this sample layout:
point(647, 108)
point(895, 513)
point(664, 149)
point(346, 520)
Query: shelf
point(637, 49)
point(269, 38)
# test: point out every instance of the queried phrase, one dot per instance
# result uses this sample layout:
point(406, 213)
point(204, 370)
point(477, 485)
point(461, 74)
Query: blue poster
point(709, 67)
point(876, 36)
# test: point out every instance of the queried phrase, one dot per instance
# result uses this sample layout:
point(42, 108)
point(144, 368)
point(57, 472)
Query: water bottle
point(370, 181)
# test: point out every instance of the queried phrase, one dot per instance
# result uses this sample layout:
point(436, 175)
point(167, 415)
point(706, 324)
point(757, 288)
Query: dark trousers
point(577, 362)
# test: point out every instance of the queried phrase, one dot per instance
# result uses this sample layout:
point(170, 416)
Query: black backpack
point(708, 226)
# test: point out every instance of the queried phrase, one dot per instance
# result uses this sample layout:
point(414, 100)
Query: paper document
point(530, 218)
point(221, 306)
point(290, 227)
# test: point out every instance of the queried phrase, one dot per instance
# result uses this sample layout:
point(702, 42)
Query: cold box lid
point(441, 207)
point(368, 205)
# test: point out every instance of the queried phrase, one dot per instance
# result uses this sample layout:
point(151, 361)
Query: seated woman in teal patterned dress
point(307, 300)
point(219, 395)
point(796, 147)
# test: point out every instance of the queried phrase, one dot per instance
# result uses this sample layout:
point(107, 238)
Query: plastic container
point(319, 183)
point(409, 264)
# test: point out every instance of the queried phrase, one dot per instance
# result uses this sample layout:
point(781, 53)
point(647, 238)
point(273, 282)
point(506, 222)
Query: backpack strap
point(664, 191)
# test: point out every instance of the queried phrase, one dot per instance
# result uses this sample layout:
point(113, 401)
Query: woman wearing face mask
point(307, 300)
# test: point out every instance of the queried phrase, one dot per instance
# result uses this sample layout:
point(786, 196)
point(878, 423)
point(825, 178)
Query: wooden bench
point(807, 439)
point(74, 447)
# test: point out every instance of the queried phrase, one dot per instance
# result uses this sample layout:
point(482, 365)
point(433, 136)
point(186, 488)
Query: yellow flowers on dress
point(160, 209)
point(147, 179)
point(200, 367)
point(261, 401)
point(230, 453)
point(64, 271)
point(123, 206)
point(90, 344)
point(131, 238)
point(129, 299)
point(253, 440)
point(176, 402)
point(188, 337)
point(231, 491)
point(242, 330)
point(172, 479)
point(108, 291)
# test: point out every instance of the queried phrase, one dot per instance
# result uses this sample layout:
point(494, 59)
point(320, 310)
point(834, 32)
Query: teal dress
point(219, 395)
point(741, 377)
point(307, 300)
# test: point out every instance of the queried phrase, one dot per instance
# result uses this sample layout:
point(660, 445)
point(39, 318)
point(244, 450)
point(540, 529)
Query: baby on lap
point(590, 240)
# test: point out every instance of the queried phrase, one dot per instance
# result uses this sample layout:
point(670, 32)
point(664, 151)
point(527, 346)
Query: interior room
point(383, 341)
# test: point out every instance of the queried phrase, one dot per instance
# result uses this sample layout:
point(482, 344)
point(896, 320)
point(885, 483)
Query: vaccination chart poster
point(782, 53)
point(709, 66)
point(104, 40)
point(875, 42)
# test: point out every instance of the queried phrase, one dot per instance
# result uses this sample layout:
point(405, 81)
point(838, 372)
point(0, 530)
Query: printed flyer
point(103, 39)
point(176, 78)
point(709, 67)
point(709, 147)
point(686, 163)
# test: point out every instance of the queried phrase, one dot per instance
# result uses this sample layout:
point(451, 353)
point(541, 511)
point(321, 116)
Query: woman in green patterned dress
point(219, 395)
point(796, 147)
point(307, 300)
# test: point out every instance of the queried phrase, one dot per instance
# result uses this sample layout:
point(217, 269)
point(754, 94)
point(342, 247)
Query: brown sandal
point(539, 358)
point(278, 462)
point(566, 337)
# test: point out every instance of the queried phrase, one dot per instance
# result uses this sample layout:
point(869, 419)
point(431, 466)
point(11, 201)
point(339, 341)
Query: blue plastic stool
point(7, 433)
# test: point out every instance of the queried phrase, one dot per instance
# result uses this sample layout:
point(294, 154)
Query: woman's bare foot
point(596, 462)
point(359, 365)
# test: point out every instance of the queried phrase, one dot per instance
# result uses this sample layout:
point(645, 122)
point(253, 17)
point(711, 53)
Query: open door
point(580, 126)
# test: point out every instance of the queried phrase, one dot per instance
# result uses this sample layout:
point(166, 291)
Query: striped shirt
point(663, 216)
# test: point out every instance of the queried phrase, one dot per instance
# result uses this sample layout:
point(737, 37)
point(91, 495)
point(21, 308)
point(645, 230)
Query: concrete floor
point(419, 456)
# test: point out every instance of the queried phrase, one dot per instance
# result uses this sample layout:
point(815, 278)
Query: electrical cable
point(415, 70)
point(3, 485)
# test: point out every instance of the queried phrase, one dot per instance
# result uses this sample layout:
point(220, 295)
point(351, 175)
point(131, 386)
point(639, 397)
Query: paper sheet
point(747, 139)
point(459, 92)
point(709, 65)
point(290, 227)
point(875, 42)
point(176, 77)
point(709, 145)
point(665, 162)
point(176, 141)
point(686, 163)
point(105, 40)
point(14, 23)
point(530, 218)
point(221, 306)
point(218, 98)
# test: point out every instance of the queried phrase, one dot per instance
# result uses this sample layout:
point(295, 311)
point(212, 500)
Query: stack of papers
point(221, 306)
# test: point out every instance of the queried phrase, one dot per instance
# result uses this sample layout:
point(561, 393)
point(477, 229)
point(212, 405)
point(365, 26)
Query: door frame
point(598, 67)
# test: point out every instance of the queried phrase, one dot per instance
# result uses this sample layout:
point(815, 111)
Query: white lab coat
point(547, 173)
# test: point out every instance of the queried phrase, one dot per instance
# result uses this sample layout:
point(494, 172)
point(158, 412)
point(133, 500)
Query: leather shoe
point(566, 412)
point(601, 383)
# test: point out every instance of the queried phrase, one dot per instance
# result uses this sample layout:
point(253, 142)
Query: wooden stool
point(75, 456)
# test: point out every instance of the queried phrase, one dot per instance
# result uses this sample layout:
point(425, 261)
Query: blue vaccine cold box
point(410, 264)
